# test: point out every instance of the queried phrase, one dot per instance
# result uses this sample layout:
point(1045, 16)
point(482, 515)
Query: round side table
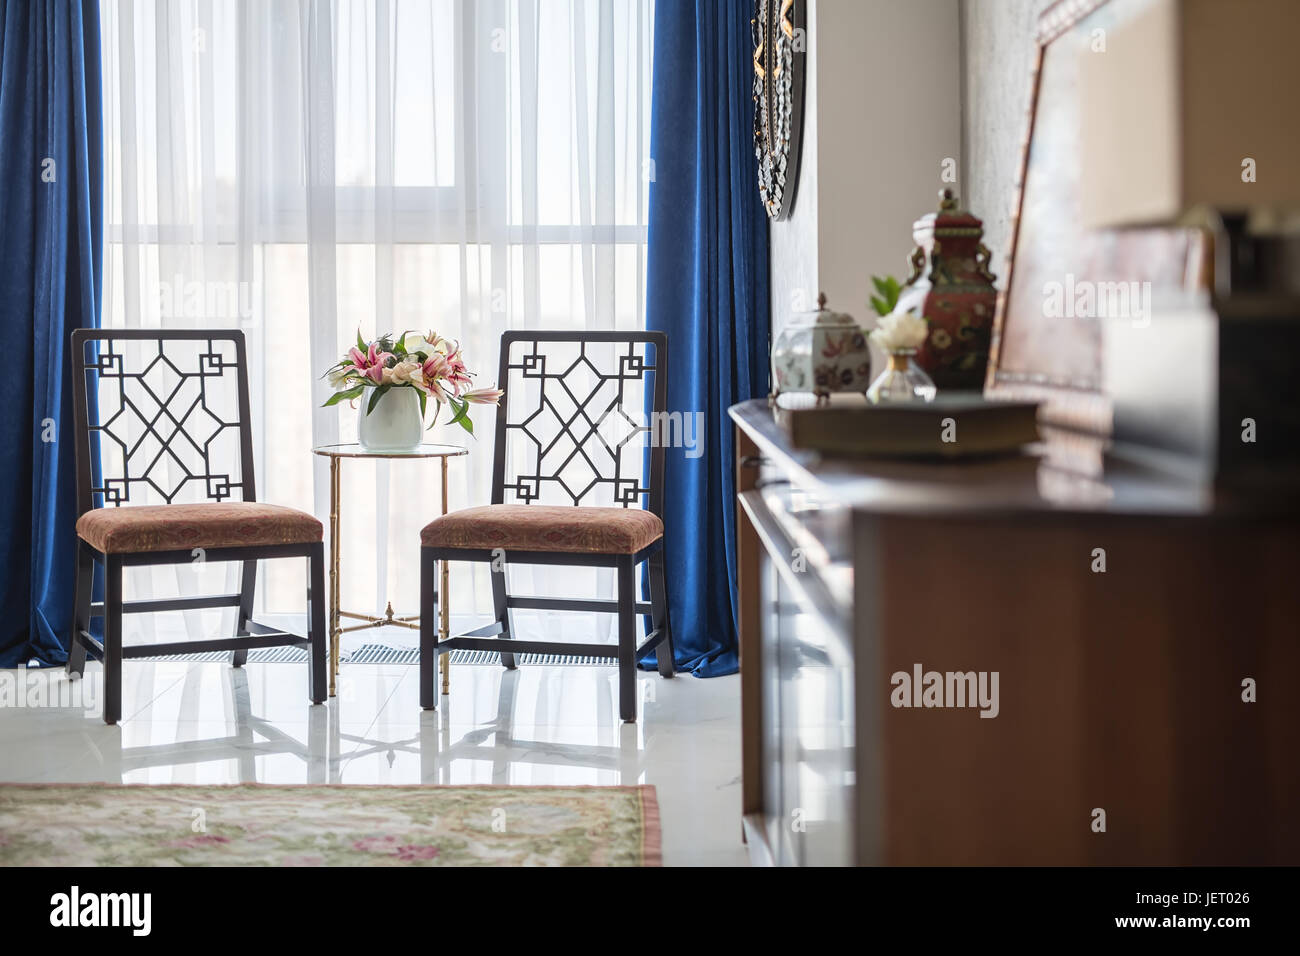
point(337, 454)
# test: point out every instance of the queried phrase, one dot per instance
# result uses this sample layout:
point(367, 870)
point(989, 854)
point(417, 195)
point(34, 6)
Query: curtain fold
point(707, 287)
point(51, 222)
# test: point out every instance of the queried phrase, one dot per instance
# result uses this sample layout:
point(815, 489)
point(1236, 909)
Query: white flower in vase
point(405, 373)
point(900, 331)
point(392, 381)
point(900, 335)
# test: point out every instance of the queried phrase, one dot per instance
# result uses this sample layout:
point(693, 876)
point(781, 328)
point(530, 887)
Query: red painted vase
point(952, 287)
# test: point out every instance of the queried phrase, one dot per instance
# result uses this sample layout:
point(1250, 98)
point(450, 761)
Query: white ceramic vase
point(821, 352)
point(394, 424)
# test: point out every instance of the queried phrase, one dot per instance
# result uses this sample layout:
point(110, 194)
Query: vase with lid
point(821, 352)
point(951, 286)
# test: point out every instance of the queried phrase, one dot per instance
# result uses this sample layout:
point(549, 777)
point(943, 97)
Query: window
point(304, 170)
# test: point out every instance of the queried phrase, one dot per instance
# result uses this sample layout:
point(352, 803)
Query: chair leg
point(499, 602)
point(84, 578)
point(659, 614)
point(246, 590)
point(112, 639)
point(318, 652)
point(627, 639)
point(428, 630)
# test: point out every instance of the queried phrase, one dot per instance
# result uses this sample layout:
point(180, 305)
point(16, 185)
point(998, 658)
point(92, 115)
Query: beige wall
point(943, 78)
point(882, 110)
point(792, 244)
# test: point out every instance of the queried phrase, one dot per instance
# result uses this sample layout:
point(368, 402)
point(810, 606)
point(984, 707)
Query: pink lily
point(483, 396)
point(434, 369)
point(372, 364)
point(457, 375)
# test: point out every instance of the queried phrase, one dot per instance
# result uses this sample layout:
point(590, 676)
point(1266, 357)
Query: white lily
point(427, 343)
point(899, 331)
point(403, 373)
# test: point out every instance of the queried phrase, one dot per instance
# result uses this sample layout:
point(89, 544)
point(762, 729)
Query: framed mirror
point(1047, 338)
point(780, 44)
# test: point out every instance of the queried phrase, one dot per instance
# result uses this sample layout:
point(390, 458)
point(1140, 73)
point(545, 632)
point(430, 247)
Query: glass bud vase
point(901, 381)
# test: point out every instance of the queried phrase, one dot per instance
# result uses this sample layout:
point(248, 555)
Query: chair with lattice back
point(162, 416)
point(574, 426)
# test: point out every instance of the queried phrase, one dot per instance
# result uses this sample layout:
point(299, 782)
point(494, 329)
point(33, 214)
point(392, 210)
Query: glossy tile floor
point(210, 723)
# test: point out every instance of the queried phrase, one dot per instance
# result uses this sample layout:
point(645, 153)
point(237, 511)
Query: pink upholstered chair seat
point(583, 530)
point(133, 529)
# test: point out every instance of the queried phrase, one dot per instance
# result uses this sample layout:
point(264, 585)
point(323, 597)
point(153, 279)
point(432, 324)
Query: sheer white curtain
point(306, 169)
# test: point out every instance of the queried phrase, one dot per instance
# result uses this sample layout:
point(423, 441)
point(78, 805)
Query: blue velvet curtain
point(51, 226)
point(708, 289)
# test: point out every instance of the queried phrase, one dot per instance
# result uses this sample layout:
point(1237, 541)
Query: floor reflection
point(208, 723)
point(495, 743)
point(326, 746)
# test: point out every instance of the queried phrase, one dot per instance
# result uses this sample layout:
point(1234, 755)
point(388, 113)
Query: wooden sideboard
point(1118, 691)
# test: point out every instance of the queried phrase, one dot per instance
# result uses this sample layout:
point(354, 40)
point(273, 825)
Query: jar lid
point(949, 220)
point(824, 316)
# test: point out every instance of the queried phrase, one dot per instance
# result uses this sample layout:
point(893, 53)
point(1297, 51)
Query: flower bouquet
point(410, 370)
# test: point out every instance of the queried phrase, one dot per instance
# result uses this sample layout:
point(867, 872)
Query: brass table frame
point(336, 454)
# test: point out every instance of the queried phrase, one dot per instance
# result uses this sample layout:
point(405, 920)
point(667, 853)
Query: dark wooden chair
point(580, 435)
point(156, 415)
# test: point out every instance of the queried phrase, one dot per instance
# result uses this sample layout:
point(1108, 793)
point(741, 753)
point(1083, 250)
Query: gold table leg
point(335, 630)
point(444, 614)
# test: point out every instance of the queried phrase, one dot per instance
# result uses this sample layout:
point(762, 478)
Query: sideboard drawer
point(807, 743)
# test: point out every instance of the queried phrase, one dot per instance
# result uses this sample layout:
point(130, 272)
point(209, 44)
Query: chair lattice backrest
point(165, 415)
point(581, 419)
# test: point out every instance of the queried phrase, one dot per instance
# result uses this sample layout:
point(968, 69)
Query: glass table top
point(356, 450)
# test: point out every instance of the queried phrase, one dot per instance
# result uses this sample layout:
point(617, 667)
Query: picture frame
point(1041, 349)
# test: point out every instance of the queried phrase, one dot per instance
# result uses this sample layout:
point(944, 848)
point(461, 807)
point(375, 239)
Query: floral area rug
point(267, 825)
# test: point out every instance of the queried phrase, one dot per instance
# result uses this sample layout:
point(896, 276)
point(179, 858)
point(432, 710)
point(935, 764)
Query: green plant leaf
point(889, 289)
point(344, 396)
point(462, 410)
point(423, 400)
point(437, 410)
point(374, 399)
point(362, 345)
point(462, 416)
